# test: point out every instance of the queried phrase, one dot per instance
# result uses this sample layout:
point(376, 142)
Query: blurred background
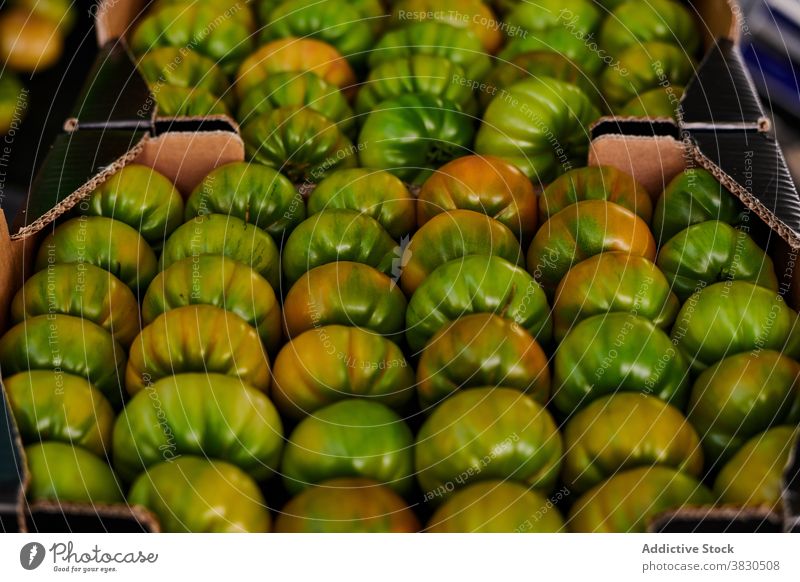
point(770, 44)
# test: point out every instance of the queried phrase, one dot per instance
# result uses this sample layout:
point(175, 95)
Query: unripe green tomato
point(183, 67)
point(62, 473)
point(174, 101)
point(199, 495)
point(633, 23)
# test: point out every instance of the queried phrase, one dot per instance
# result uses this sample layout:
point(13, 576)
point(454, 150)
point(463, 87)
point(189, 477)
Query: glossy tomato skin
point(559, 40)
point(743, 317)
point(29, 42)
point(610, 507)
point(351, 438)
point(182, 67)
point(515, 127)
point(487, 433)
point(141, 198)
point(198, 414)
point(694, 196)
point(582, 15)
point(80, 290)
point(422, 74)
point(377, 193)
point(453, 235)
point(338, 235)
point(256, 194)
point(741, 396)
point(482, 349)
point(753, 477)
point(299, 142)
point(412, 134)
point(656, 103)
point(336, 22)
point(477, 284)
point(623, 431)
point(431, 37)
point(484, 184)
point(199, 495)
point(48, 342)
point(294, 55)
point(581, 231)
point(226, 41)
point(197, 338)
point(595, 183)
point(496, 507)
point(228, 236)
point(106, 243)
point(344, 293)
point(221, 282)
point(613, 281)
point(324, 365)
point(304, 89)
point(347, 505)
point(713, 251)
point(617, 352)
point(174, 101)
point(632, 24)
point(646, 67)
point(66, 474)
point(52, 406)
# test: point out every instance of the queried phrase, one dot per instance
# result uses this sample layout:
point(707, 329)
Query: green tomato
point(299, 142)
point(197, 338)
point(453, 235)
point(577, 15)
point(487, 433)
point(611, 282)
point(221, 282)
point(432, 75)
point(13, 102)
point(347, 505)
point(303, 89)
point(324, 365)
point(624, 431)
point(633, 23)
point(754, 475)
point(104, 242)
point(254, 193)
point(496, 507)
point(201, 26)
point(182, 67)
point(741, 396)
point(559, 40)
point(658, 103)
point(482, 349)
point(198, 414)
point(477, 284)
point(595, 183)
point(141, 198)
point(694, 196)
point(412, 134)
point(377, 193)
point(336, 22)
point(536, 64)
point(60, 12)
point(345, 293)
point(644, 67)
point(629, 501)
point(62, 343)
point(731, 318)
point(174, 101)
point(540, 126)
point(81, 290)
point(62, 473)
point(351, 438)
point(228, 236)
point(54, 406)
point(617, 352)
point(199, 495)
point(371, 10)
point(431, 37)
point(584, 230)
point(712, 251)
point(338, 235)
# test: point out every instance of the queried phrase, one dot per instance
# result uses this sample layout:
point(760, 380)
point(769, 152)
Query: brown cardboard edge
point(113, 18)
point(198, 119)
point(137, 512)
point(726, 512)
